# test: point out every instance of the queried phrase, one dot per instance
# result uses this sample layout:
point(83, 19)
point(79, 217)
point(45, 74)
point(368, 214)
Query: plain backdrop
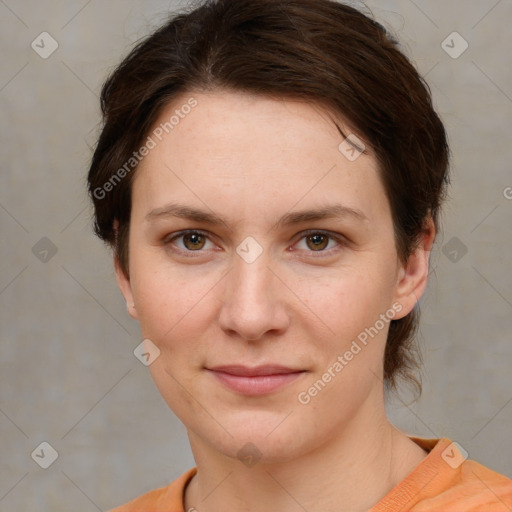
point(68, 375)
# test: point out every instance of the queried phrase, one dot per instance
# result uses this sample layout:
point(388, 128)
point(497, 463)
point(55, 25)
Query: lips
point(257, 380)
point(244, 371)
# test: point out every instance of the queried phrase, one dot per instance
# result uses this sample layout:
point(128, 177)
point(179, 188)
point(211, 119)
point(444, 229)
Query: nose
point(254, 300)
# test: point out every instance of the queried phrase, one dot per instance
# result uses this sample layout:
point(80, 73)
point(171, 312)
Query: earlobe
point(412, 276)
point(123, 281)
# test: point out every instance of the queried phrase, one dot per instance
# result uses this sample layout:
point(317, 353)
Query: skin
point(251, 160)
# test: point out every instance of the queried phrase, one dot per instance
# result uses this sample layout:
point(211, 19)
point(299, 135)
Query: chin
point(252, 450)
point(267, 441)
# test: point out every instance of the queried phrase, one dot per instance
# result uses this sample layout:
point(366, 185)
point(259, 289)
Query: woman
point(269, 176)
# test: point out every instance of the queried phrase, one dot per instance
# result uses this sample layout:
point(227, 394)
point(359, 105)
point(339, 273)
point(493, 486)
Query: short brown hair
point(320, 51)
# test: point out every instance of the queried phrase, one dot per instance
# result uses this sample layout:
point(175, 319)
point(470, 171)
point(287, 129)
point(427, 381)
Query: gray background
point(68, 373)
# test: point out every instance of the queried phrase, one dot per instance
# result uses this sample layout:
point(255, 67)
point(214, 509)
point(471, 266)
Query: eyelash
point(340, 240)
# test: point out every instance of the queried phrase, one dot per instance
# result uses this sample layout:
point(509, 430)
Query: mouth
point(258, 380)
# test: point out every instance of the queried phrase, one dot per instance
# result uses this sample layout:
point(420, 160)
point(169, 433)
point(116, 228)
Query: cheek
point(349, 301)
point(349, 326)
point(166, 295)
point(174, 313)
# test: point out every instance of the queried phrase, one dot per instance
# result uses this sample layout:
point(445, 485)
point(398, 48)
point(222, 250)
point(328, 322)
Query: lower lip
point(257, 385)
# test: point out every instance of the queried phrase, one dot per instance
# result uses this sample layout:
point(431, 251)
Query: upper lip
point(246, 371)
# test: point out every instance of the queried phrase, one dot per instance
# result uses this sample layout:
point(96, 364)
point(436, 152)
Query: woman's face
point(227, 268)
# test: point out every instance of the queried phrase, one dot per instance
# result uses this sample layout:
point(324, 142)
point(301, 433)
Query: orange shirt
point(442, 482)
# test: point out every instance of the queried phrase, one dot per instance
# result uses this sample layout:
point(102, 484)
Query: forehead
point(234, 118)
point(240, 149)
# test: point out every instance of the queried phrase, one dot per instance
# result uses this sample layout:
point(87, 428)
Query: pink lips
point(254, 381)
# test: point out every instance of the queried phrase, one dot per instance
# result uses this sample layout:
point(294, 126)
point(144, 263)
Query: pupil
point(194, 238)
point(317, 240)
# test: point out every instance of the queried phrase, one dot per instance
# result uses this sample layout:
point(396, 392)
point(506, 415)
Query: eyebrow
point(292, 218)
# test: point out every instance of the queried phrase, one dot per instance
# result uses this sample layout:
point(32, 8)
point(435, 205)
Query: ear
point(123, 281)
point(412, 276)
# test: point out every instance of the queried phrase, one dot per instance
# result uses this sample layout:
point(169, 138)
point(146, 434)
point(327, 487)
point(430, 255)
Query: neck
point(351, 471)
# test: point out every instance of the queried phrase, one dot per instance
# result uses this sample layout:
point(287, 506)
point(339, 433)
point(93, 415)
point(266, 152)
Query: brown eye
point(318, 241)
point(323, 243)
point(193, 241)
point(187, 242)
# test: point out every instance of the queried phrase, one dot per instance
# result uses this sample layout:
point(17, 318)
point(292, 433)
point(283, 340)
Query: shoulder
point(476, 489)
point(464, 484)
point(163, 499)
point(449, 482)
point(150, 499)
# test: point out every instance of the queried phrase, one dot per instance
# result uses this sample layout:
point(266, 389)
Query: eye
point(317, 241)
point(197, 240)
point(192, 240)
